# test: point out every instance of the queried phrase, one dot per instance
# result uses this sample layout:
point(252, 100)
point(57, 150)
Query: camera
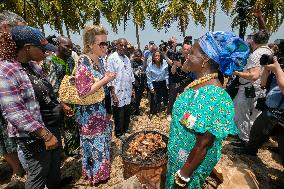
point(187, 40)
point(266, 59)
point(164, 46)
point(278, 52)
point(167, 46)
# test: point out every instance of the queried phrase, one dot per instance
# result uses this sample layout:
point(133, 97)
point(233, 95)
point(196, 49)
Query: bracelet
point(182, 178)
point(45, 135)
point(178, 183)
point(46, 140)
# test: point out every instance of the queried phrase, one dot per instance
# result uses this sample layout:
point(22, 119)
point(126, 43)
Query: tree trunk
point(209, 18)
point(97, 18)
point(213, 21)
point(25, 18)
point(214, 16)
point(137, 35)
point(42, 28)
point(67, 31)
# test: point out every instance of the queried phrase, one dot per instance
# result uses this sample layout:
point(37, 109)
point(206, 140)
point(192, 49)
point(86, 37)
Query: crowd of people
point(219, 85)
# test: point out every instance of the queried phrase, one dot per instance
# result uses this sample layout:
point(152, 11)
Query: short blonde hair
point(89, 35)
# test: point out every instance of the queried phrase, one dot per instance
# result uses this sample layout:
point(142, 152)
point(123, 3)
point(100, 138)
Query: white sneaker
point(169, 118)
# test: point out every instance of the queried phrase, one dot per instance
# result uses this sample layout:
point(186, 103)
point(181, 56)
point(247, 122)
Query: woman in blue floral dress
point(95, 128)
point(203, 115)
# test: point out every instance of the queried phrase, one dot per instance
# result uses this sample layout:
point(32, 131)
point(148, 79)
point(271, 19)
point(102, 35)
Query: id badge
point(188, 120)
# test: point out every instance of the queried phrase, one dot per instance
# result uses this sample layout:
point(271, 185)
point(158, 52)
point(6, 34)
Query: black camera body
point(164, 46)
point(187, 40)
point(268, 59)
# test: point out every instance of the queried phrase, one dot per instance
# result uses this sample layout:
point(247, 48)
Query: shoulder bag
point(68, 92)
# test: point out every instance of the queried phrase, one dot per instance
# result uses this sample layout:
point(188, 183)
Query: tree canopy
point(73, 14)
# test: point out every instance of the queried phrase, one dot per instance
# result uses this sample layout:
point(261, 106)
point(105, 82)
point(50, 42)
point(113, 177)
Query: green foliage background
point(162, 13)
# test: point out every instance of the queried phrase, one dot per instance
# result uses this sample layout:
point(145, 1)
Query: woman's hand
point(51, 142)
point(174, 69)
point(67, 110)
point(114, 100)
point(133, 93)
point(178, 183)
point(273, 67)
point(109, 76)
point(197, 154)
point(236, 73)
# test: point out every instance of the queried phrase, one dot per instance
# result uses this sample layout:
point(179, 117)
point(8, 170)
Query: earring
point(203, 65)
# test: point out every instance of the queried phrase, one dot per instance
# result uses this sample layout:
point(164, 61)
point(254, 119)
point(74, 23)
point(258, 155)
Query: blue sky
point(223, 23)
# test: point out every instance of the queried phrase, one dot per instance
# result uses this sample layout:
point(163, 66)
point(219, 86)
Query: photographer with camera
point(179, 78)
point(249, 79)
point(271, 120)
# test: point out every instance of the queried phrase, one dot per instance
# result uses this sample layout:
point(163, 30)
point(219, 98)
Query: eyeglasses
point(102, 44)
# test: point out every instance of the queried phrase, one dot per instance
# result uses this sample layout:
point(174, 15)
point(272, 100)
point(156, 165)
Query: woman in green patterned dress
point(203, 115)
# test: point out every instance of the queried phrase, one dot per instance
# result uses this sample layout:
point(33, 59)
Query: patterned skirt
point(95, 138)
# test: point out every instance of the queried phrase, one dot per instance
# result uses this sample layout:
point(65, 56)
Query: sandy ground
point(266, 166)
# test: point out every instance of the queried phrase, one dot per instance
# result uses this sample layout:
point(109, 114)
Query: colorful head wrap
point(7, 46)
point(226, 49)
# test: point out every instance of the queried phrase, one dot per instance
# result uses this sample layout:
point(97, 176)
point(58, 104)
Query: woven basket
point(152, 175)
point(69, 95)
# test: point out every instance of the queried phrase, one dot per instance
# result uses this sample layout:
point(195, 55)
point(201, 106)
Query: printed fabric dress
point(95, 128)
point(210, 109)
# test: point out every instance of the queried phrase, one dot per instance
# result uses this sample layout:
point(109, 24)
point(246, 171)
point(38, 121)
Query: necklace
point(202, 80)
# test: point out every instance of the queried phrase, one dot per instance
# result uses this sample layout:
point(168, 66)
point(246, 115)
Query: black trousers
point(121, 116)
point(43, 168)
point(261, 130)
point(174, 90)
point(138, 96)
point(160, 95)
point(108, 103)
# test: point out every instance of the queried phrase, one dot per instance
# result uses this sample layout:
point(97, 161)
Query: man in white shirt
point(121, 87)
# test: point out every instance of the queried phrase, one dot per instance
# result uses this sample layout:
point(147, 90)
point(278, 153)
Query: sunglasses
point(40, 47)
point(122, 45)
point(103, 44)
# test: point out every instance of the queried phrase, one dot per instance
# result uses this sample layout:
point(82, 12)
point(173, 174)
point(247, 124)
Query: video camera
point(279, 53)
